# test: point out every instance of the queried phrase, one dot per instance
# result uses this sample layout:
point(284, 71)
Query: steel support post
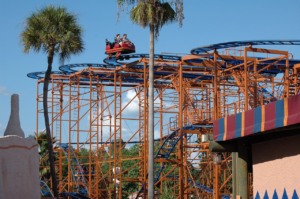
point(161, 128)
point(180, 144)
point(286, 77)
point(255, 94)
point(151, 117)
point(90, 131)
point(69, 136)
point(142, 126)
point(215, 87)
point(242, 171)
point(246, 80)
point(216, 181)
point(234, 174)
point(145, 151)
point(115, 141)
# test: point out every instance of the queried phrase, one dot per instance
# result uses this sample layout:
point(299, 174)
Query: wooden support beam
point(270, 51)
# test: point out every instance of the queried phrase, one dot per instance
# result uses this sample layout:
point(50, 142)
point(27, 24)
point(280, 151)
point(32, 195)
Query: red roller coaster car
point(117, 49)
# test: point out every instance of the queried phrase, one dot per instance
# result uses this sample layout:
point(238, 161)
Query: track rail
point(233, 44)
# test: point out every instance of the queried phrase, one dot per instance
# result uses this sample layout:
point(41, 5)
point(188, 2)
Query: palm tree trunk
point(47, 125)
point(151, 117)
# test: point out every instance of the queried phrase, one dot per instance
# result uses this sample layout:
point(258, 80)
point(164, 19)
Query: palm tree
point(44, 170)
point(153, 14)
point(54, 31)
point(44, 155)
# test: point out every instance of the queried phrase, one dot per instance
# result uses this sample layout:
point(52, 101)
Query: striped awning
point(267, 117)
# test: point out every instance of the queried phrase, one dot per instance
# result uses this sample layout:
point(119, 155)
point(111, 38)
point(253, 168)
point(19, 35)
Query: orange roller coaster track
point(99, 115)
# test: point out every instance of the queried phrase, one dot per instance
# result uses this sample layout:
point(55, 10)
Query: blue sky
point(206, 22)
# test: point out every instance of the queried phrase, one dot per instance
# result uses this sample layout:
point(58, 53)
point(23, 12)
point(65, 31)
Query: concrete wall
point(19, 168)
point(276, 167)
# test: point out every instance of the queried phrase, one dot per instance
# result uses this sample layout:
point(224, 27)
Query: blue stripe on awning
point(279, 113)
point(221, 129)
point(257, 120)
point(238, 125)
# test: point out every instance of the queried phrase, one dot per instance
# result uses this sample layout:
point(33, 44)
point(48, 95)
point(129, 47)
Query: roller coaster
point(99, 111)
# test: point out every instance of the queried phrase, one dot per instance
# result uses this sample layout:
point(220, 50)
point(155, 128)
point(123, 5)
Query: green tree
point(153, 14)
point(41, 138)
point(54, 31)
point(167, 192)
point(131, 165)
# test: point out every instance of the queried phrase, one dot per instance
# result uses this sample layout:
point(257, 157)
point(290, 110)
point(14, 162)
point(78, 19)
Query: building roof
point(268, 117)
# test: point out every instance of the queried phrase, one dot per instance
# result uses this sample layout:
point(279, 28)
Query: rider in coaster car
point(124, 39)
point(118, 39)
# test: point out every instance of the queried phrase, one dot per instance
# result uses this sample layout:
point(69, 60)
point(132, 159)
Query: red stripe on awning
point(293, 110)
point(230, 127)
point(270, 116)
point(216, 131)
point(249, 122)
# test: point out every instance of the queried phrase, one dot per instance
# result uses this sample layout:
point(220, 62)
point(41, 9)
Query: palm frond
point(126, 2)
point(178, 4)
point(158, 14)
point(153, 12)
point(54, 27)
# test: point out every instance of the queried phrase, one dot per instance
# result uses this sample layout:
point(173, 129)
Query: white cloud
point(130, 94)
point(105, 117)
point(132, 107)
point(2, 128)
point(4, 91)
point(156, 134)
point(57, 93)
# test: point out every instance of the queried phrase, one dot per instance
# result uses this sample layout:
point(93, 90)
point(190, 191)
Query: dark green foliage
point(53, 31)
point(156, 13)
point(132, 167)
point(44, 156)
